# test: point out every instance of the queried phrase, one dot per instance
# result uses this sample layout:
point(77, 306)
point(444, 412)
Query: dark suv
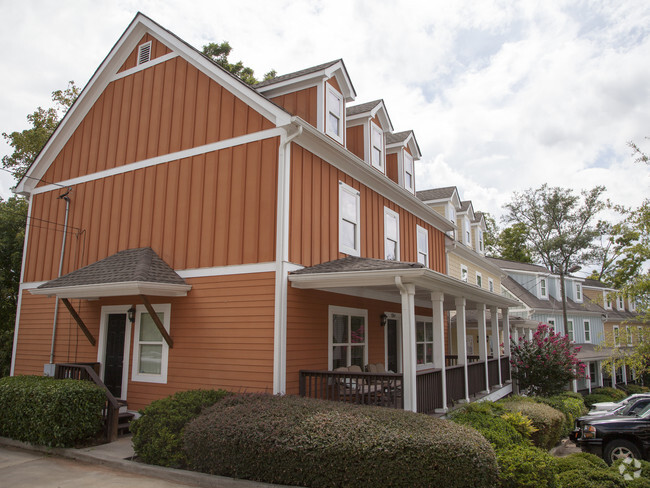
point(618, 435)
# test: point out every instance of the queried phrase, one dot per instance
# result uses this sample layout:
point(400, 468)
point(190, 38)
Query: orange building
point(187, 230)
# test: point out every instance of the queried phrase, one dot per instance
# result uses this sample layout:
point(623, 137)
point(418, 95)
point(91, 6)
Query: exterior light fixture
point(383, 319)
point(130, 313)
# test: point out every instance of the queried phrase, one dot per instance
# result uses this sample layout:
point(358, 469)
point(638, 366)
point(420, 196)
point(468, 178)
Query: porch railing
point(476, 378)
point(452, 360)
point(455, 383)
point(86, 372)
point(429, 390)
point(505, 368)
point(493, 371)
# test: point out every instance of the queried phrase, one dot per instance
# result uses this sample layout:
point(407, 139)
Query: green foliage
point(305, 442)
point(219, 52)
point(634, 389)
point(45, 411)
point(590, 478)
point(572, 394)
point(511, 243)
point(158, 434)
point(638, 483)
point(521, 423)
point(580, 461)
point(614, 394)
point(571, 407)
point(596, 398)
point(548, 421)
point(487, 418)
point(545, 364)
point(526, 467)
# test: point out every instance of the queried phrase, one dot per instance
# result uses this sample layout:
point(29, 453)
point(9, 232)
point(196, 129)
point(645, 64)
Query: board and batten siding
point(214, 209)
point(314, 217)
point(303, 103)
point(157, 49)
point(163, 109)
point(222, 332)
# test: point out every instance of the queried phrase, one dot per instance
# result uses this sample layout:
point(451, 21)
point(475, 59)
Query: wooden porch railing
point(455, 383)
point(84, 371)
point(493, 371)
point(505, 368)
point(476, 378)
point(429, 390)
point(452, 360)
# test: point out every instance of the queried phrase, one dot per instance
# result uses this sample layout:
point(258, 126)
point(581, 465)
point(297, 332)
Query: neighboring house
point(204, 233)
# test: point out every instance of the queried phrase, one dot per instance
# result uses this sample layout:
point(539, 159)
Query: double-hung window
point(464, 274)
point(409, 181)
point(349, 220)
point(629, 335)
point(150, 352)
point(481, 246)
point(607, 300)
point(479, 280)
point(391, 234)
point(543, 290)
point(348, 337)
point(620, 303)
point(578, 292)
point(424, 341)
point(617, 341)
point(423, 245)
point(334, 121)
point(377, 147)
point(587, 331)
point(468, 236)
point(491, 285)
point(569, 330)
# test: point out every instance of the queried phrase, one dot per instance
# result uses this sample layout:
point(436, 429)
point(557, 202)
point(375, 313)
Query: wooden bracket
point(156, 320)
point(77, 319)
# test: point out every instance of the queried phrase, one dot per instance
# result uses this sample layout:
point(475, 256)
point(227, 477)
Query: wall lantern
point(383, 319)
point(130, 313)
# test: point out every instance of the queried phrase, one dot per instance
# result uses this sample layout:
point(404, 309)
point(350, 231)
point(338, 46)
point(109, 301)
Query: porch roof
point(130, 272)
point(358, 276)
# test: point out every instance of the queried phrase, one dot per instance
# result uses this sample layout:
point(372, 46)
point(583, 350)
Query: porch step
point(124, 419)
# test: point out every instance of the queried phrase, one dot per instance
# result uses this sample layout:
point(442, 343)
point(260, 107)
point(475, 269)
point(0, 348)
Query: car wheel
point(620, 449)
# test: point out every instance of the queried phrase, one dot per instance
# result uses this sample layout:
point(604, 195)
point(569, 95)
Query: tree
point(512, 244)
point(641, 157)
point(27, 144)
point(559, 227)
point(545, 364)
point(219, 54)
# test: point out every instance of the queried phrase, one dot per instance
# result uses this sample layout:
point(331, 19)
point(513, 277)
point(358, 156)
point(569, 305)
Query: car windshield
point(645, 413)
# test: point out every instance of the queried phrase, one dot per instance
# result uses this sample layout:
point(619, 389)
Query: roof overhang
point(103, 290)
point(379, 110)
point(410, 142)
point(455, 247)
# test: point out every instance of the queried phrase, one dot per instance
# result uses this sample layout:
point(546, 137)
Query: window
point(632, 304)
point(629, 335)
point(479, 234)
point(607, 300)
point(620, 305)
point(347, 337)
point(468, 236)
point(349, 220)
point(587, 331)
point(543, 291)
point(409, 181)
point(463, 273)
point(639, 336)
point(424, 342)
point(150, 351)
point(377, 147)
point(423, 245)
point(144, 53)
point(391, 234)
point(592, 372)
point(578, 292)
point(569, 330)
point(491, 285)
point(479, 280)
point(334, 122)
point(551, 322)
point(616, 336)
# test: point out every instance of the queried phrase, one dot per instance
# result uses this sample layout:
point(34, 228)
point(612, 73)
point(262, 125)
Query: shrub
point(632, 389)
point(645, 468)
point(548, 421)
point(572, 408)
point(638, 483)
point(596, 398)
point(521, 423)
point(486, 417)
point(526, 467)
point(157, 435)
point(306, 442)
point(56, 413)
point(614, 394)
point(572, 394)
point(590, 478)
point(580, 461)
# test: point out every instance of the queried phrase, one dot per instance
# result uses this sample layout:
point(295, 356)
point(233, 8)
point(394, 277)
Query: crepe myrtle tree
point(545, 364)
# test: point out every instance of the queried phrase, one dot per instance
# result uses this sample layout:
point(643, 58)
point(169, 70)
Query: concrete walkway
point(108, 465)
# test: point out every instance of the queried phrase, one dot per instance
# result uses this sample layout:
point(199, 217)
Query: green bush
point(572, 408)
point(526, 467)
point(580, 461)
point(301, 441)
point(632, 389)
point(596, 398)
point(45, 411)
point(590, 478)
point(486, 418)
point(571, 394)
point(157, 435)
point(548, 421)
point(645, 467)
point(638, 483)
point(614, 394)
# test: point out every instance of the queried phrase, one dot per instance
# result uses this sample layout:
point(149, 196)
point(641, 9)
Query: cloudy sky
point(502, 95)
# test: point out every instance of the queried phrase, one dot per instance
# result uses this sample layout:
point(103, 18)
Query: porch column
point(624, 373)
point(437, 299)
point(409, 385)
point(588, 374)
point(496, 343)
point(613, 375)
point(461, 339)
point(599, 372)
point(574, 383)
point(482, 343)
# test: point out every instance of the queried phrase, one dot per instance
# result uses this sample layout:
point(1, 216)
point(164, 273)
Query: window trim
point(426, 320)
point(375, 129)
point(616, 336)
point(388, 212)
point(630, 341)
point(607, 301)
point(356, 251)
point(577, 292)
point(479, 280)
point(406, 157)
point(349, 311)
point(620, 303)
point(543, 288)
point(467, 232)
point(587, 330)
point(491, 285)
point(165, 308)
point(107, 310)
point(337, 137)
point(572, 334)
point(421, 230)
point(463, 268)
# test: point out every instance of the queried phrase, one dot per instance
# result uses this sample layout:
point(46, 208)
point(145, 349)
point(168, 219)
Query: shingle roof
point(477, 217)
point(517, 266)
point(551, 304)
point(296, 74)
point(131, 265)
point(351, 263)
point(595, 284)
point(361, 108)
point(436, 193)
point(465, 205)
point(397, 137)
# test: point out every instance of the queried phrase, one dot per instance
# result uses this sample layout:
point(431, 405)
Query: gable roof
point(402, 139)
point(370, 109)
point(297, 74)
point(517, 266)
point(437, 194)
point(596, 284)
point(106, 73)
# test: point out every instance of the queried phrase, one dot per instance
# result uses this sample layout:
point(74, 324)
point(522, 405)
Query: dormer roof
point(370, 110)
point(404, 139)
point(308, 77)
point(479, 218)
point(467, 207)
point(440, 195)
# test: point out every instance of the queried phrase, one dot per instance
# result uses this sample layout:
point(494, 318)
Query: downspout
point(56, 304)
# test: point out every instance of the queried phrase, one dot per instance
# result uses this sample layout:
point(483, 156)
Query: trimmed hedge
point(580, 460)
point(615, 394)
point(306, 442)
point(526, 467)
point(548, 421)
point(571, 407)
point(45, 411)
point(486, 418)
point(596, 398)
point(157, 435)
point(632, 389)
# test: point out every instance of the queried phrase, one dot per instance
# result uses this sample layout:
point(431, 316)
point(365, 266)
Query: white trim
point(376, 130)
point(146, 45)
point(464, 268)
point(356, 250)
point(126, 288)
point(238, 269)
point(630, 340)
point(141, 67)
point(427, 320)
point(479, 277)
point(543, 290)
point(357, 312)
point(586, 323)
point(405, 157)
point(616, 335)
point(164, 360)
point(101, 344)
point(329, 89)
point(608, 303)
point(165, 158)
point(31, 285)
point(397, 317)
point(577, 289)
point(421, 231)
point(572, 335)
point(388, 213)
point(620, 303)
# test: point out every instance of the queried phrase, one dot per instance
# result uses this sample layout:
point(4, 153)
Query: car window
point(645, 413)
point(635, 407)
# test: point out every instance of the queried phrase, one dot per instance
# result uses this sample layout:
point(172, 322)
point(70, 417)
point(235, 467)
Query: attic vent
point(144, 53)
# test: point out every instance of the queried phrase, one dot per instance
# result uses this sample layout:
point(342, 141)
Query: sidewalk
point(119, 454)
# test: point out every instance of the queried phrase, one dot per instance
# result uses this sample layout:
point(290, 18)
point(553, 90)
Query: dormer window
point(578, 292)
point(468, 236)
point(391, 235)
point(479, 235)
point(377, 147)
point(144, 53)
point(409, 182)
point(334, 122)
point(632, 305)
point(607, 300)
point(543, 290)
point(621, 304)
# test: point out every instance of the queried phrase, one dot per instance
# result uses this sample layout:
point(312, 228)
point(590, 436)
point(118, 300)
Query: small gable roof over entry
point(130, 272)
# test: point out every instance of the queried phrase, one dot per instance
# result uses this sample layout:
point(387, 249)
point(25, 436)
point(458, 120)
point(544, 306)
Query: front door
point(114, 366)
point(393, 345)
